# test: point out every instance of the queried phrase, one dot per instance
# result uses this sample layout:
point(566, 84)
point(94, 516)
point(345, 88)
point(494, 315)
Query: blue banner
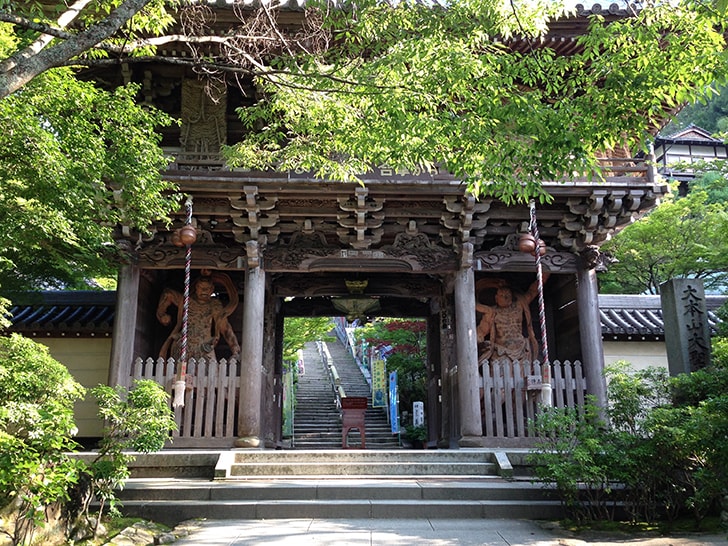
point(393, 402)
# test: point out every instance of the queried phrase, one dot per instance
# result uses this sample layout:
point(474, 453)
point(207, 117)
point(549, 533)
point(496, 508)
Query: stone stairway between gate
point(173, 486)
point(317, 419)
point(176, 485)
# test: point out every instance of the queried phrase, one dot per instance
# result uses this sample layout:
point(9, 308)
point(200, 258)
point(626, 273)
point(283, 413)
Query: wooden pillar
point(471, 425)
point(272, 373)
point(434, 383)
point(590, 333)
point(122, 343)
point(251, 358)
point(449, 433)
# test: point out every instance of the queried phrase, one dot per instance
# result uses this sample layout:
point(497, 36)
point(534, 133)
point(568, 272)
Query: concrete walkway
point(415, 532)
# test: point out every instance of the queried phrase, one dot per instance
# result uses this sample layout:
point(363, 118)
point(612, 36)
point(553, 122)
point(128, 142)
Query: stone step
point(358, 469)
point(172, 486)
point(453, 456)
point(317, 421)
point(171, 501)
point(242, 464)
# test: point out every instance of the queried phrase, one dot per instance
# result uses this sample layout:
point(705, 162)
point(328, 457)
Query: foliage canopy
point(415, 87)
point(75, 162)
point(682, 238)
point(411, 85)
point(297, 331)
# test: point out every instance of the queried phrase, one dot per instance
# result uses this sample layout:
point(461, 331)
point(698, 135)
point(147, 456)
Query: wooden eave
point(287, 212)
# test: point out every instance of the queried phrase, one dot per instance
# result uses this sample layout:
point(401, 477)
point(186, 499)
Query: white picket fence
point(510, 396)
point(208, 417)
point(511, 393)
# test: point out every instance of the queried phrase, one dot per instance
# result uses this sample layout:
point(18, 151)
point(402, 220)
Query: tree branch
point(47, 32)
point(28, 68)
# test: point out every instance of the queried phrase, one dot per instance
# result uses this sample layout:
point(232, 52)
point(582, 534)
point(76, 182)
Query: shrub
point(39, 481)
point(573, 455)
point(36, 432)
point(665, 450)
point(138, 419)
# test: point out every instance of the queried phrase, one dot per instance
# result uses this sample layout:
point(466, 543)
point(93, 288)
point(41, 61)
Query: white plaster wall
point(88, 361)
point(641, 354)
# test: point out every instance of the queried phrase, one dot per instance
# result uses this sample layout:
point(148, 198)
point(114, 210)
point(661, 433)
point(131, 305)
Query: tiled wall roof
point(636, 318)
point(64, 314)
point(89, 314)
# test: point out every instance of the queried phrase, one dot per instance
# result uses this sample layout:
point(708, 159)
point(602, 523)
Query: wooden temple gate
point(417, 248)
point(416, 244)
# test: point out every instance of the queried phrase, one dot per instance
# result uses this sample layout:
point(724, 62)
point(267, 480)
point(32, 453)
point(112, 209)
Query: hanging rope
point(546, 364)
point(180, 382)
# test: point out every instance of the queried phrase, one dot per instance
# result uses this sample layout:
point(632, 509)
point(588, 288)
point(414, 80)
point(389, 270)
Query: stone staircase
point(355, 484)
point(317, 421)
point(175, 485)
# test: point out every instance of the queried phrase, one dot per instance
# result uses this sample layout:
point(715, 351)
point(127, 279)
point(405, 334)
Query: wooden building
point(411, 244)
point(676, 154)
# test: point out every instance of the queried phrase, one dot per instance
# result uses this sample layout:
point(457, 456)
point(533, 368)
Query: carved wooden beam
point(363, 216)
point(257, 218)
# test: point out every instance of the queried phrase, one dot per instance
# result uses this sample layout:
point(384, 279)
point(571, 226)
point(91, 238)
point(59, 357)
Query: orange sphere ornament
point(527, 243)
point(188, 234)
point(176, 241)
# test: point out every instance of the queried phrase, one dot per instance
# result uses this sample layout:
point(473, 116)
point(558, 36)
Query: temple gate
point(288, 244)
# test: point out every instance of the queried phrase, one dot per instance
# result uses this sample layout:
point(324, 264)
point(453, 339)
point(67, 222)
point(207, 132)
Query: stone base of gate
point(247, 442)
point(471, 441)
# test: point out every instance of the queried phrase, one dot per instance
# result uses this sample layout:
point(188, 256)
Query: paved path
point(414, 532)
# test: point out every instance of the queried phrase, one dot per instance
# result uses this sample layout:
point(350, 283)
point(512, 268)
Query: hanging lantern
point(188, 234)
point(527, 243)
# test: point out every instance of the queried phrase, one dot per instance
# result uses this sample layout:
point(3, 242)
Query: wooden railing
point(208, 417)
point(511, 393)
point(617, 170)
point(610, 169)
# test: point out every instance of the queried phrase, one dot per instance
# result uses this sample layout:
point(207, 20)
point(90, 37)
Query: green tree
point(297, 331)
point(36, 433)
point(75, 162)
point(414, 86)
point(710, 114)
point(99, 21)
point(78, 162)
point(406, 343)
point(713, 180)
point(684, 237)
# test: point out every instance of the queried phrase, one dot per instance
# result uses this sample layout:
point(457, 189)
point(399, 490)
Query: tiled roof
point(639, 318)
point(63, 314)
point(91, 314)
point(693, 133)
